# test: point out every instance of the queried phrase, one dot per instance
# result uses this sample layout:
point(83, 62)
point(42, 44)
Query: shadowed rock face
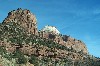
point(23, 17)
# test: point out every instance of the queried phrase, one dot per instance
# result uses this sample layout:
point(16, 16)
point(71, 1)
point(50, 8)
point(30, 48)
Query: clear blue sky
point(77, 18)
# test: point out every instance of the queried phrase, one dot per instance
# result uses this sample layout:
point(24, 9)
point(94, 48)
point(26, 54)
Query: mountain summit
point(24, 18)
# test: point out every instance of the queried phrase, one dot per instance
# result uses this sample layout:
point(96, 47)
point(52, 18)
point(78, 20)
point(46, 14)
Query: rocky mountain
point(53, 34)
point(23, 17)
point(21, 44)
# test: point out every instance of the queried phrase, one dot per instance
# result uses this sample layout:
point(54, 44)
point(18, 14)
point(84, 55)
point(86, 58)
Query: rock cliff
point(21, 44)
point(71, 43)
point(24, 18)
point(28, 21)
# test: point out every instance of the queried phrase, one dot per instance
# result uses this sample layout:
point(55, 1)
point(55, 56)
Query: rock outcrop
point(65, 40)
point(24, 18)
point(27, 20)
point(19, 34)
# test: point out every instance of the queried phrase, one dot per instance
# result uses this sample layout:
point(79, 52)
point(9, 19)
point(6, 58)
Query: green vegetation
point(34, 60)
point(18, 35)
point(20, 56)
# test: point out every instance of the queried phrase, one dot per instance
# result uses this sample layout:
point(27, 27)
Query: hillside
point(21, 44)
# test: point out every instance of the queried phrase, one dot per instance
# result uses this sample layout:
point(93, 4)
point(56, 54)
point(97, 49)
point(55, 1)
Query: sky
point(78, 18)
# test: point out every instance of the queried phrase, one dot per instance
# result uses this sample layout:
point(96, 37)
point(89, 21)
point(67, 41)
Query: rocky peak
point(23, 17)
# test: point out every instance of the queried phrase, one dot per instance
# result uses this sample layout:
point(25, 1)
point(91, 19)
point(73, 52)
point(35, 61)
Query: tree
point(21, 59)
point(34, 60)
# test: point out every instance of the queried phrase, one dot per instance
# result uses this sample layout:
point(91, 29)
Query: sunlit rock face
point(50, 29)
point(23, 17)
point(51, 32)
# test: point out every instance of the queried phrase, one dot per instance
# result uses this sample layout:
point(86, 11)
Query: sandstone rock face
point(23, 17)
point(46, 45)
point(65, 40)
point(77, 45)
point(27, 20)
point(42, 51)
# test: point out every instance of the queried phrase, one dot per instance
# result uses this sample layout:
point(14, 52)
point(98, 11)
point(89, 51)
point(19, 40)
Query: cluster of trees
point(19, 56)
point(45, 61)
